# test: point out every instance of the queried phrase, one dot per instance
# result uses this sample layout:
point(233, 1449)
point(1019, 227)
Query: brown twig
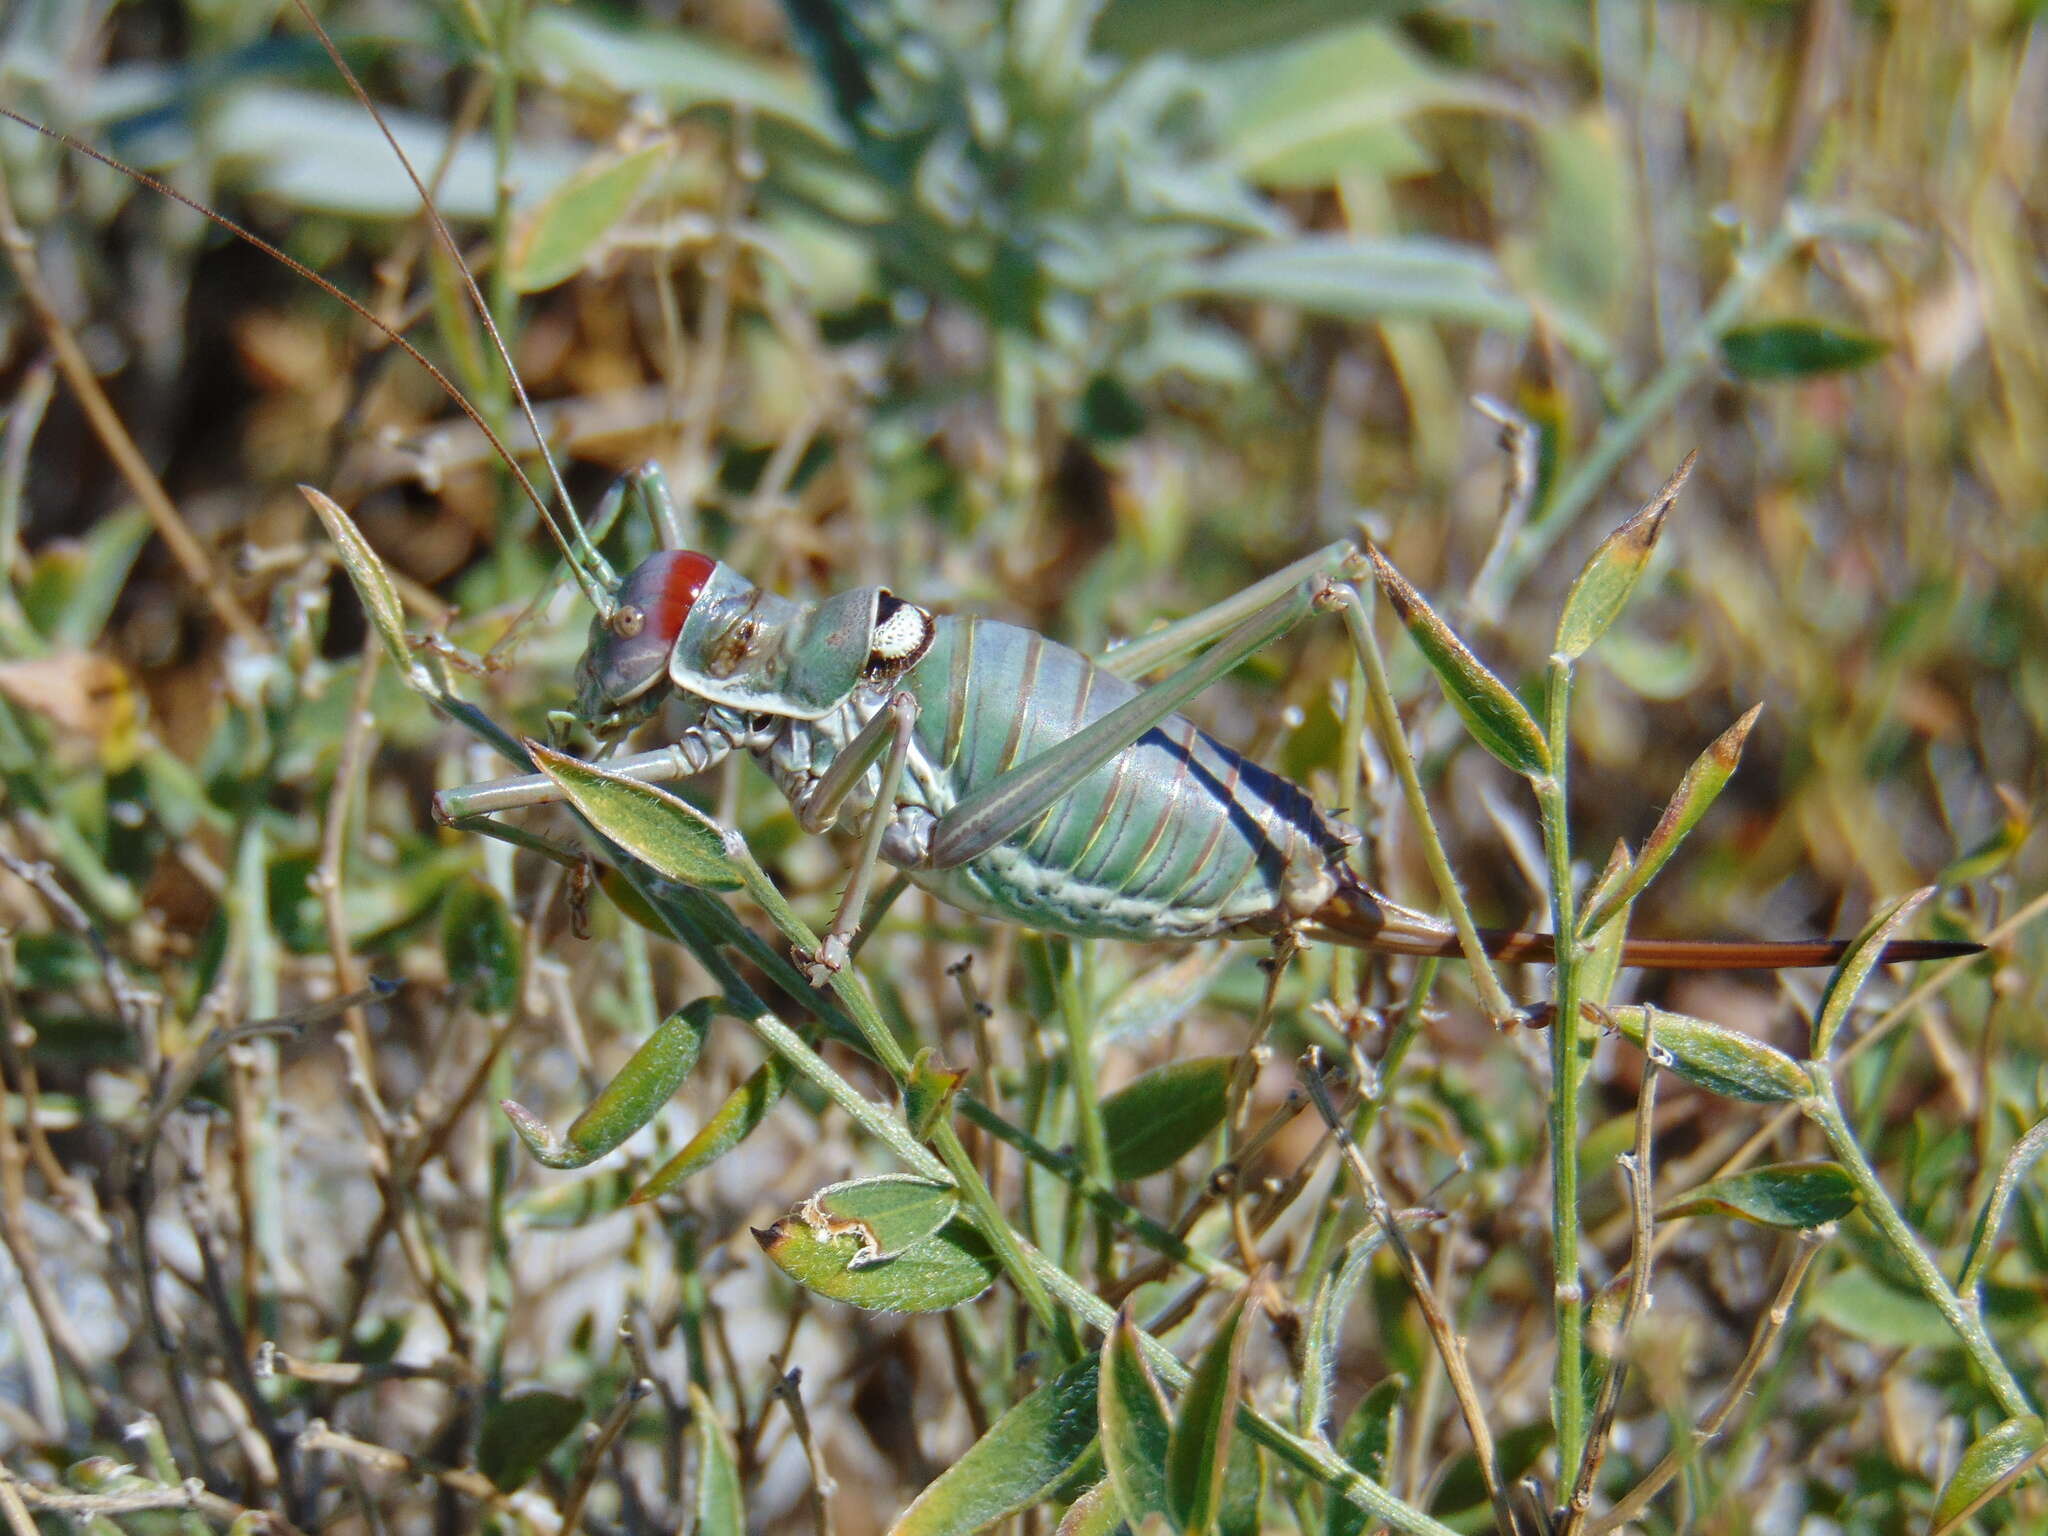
point(636, 1391)
point(823, 1487)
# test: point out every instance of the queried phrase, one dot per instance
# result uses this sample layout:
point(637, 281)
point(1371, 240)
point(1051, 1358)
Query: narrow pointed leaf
point(666, 833)
point(1718, 1059)
point(1696, 793)
point(1367, 1443)
point(950, 1267)
point(1603, 586)
point(480, 943)
point(720, 1503)
point(1489, 708)
point(1198, 1449)
point(1793, 1195)
point(732, 1123)
point(1026, 1453)
point(520, 1430)
point(1795, 349)
point(373, 584)
point(1996, 1460)
point(1321, 1341)
point(1135, 1423)
point(885, 1215)
point(575, 219)
point(1856, 966)
point(928, 1092)
point(1155, 1120)
point(631, 1099)
point(2018, 1162)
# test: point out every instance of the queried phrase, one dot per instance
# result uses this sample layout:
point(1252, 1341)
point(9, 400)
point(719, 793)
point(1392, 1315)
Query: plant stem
point(1962, 1313)
point(889, 1054)
point(1568, 1398)
point(1386, 719)
point(1074, 993)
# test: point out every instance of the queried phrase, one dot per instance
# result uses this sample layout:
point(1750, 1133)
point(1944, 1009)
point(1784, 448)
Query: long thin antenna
point(241, 232)
point(579, 551)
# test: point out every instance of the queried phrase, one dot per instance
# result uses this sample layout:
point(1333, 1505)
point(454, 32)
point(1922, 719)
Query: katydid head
point(626, 663)
point(686, 622)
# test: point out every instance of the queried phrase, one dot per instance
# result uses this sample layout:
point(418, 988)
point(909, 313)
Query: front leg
point(690, 754)
point(889, 731)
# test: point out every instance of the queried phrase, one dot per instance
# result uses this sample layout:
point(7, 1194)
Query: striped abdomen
point(1175, 837)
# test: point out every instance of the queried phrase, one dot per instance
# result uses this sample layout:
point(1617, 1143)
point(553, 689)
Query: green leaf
point(1795, 349)
point(519, 1430)
point(1025, 1454)
point(480, 944)
point(561, 1205)
point(1349, 278)
point(1489, 708)
point(1163, 994)
point(1996, 1460)
point(1135, 1424)
point(679, 68)
point(1720, 1060)
point(1303, 114)
point(373, 585)
point(1581, 252)
point(732, 1123)
point(1367, 1443)
point(1864, 952)
point(1213, 28)
point(1244, 1489)
point(721, 1504)
point(1198, 1449)
point(1865, 1307)
point(885, 1214)
point(1155, 1120)
point(1603, 586)
point(1696, 794)
point(577, 217)
point(950, 1267)
point(631, 1099)
point(667, 834)
point(1095, 1513)
point(1795, 1195)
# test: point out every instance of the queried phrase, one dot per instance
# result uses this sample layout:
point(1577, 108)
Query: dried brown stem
point(1770, 1327)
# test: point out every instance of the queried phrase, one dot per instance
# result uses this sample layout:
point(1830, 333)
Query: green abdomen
point(1175, 837)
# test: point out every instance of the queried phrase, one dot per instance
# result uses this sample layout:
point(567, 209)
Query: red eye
point(657, 597)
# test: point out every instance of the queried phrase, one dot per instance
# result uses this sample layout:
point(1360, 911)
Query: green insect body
point(1006, 773)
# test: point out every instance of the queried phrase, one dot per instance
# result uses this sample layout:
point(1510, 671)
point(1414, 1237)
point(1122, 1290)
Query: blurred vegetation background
point(1082, 315)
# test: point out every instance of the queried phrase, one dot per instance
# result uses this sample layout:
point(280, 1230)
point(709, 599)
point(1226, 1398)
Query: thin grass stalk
point(1567, 1399)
